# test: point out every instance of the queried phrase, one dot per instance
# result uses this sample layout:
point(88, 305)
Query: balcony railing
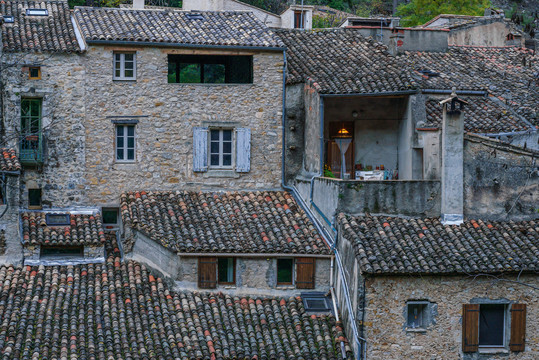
point(31, 148)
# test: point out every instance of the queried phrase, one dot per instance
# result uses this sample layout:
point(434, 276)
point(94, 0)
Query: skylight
point(316, 302)
point(58, 219)
point(8, 19)
point(37, 12)
point(195, 16)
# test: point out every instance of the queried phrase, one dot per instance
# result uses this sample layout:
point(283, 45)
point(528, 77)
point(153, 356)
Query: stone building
point(187, 100)
point(240, 242)
point(43, 96)
point(426, 290)
point(10, 170)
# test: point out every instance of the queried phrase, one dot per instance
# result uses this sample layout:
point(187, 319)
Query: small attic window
point(9, 19)
point(58, 219)
point(195, 16)
point(37, 12)
point(316, 302)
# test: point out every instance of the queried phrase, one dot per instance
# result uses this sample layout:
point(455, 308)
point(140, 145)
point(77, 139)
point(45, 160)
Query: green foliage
point(418, 12)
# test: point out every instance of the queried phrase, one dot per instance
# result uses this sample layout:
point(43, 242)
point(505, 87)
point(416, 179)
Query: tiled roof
point(9, 160)
point(481, 115)
point(118, 310)
point(452, 21)
point(83, 230)
point(509, 73)
point(224, 28)
point(52, 33)
point(342, 61)
point(392, 245)
point(225, 222)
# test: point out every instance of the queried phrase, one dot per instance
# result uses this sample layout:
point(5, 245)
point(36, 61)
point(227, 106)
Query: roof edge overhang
point(380, 94)
point(253, 255)
point(454, 274)
point(181, 45)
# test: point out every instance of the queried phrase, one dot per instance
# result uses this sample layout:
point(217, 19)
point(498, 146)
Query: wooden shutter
point(207, 272)
point(305, 273)
point(518, 327)
point(200, 149)
point(470, 327)
point(243, 150)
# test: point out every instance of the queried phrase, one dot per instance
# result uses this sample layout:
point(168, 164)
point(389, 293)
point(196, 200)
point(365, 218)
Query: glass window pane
point(131, 142)
point(128, 73)
point(129, 57)
point(227, 147)
point(118, 57)
point(227, 135)
point(172, 73)
point(227, 160)
point(214, 134)
point(129, 65)
point(119, 154)
point(214, 160)
point(36, 105)
point(214, 73)
point(190, 73)
point(118, 73)
point(130, 131)
point(110, 216)
point(240, 70)
point(214, 148)
point(225, 270)
point(130, 154)
point(119, 130)
point(284, 270)
point(491, 324)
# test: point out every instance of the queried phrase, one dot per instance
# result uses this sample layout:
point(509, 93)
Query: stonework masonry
point(62, 90)
point(166, 115)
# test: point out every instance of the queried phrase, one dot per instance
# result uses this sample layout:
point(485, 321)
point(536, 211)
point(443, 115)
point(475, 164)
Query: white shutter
point(243, 150)
point(200, 149)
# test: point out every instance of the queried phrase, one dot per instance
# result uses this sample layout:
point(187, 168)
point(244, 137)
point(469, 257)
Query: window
point(58, 219)
point(285, 271)
point(125, 143)
point(125, 66)
point(110, 217)
point(207, 272)
point(8, 19)
point(37, 12)
point(417, 316)
point(316, 302)
point(34, 73)
point(486, 326)
point(30, 142)
point(226, 271)
point(34, 198)
point(299, 20)
point(54, 252)
point(221, 148)
point(210, 69)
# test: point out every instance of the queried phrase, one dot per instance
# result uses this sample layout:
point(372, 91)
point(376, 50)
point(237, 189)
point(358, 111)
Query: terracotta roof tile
point(9, 160)
point(118, 310)
point(392, 245)
point(52, 33)
point(227, 222)
point(481, 115)
point(225, 28)
point(342, 61)
point(83, 230)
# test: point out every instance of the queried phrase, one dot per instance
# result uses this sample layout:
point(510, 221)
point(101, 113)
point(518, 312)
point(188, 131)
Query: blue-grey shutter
point(243, 150)
point(200, 149)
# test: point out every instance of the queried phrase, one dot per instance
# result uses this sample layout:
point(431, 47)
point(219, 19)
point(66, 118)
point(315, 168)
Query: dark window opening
point(226, 271)
point(210, 69)
point(58, 219)
point(8, 19)
point(285, 271)
point(34, 198)
point(34, 73)
point(299, 19)
point(110, 217)
point(417, 317)
point(491, 324)
point(62, 251)
point(316, 302)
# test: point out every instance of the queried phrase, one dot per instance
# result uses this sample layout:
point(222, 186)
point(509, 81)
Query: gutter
point(18, 172)
point(458, 92)
point(381, 94)
point(182, 45)
point(252, 255)
point(511, 133)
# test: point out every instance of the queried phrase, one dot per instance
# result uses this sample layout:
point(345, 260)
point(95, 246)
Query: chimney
point(138, 4)
point(453, 160)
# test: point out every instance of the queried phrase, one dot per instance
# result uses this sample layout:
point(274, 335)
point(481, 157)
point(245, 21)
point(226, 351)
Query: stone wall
point(386, 299)
point(312, 100)
point(166, 115)
point(62, 90)
point(294, 131)
point(9, 223)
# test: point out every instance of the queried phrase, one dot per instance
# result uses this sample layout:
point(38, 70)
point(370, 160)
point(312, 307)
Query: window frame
point(233, 271)
point(122, 76)
point(125, 137)
point(299, 17)
point(110, 226)
point(220, 153)
point(226, 60)
point(425, 320)
point(49, 222)
point(40, 205)
point(504, 330)
point(38, 77)
point(77, 251)
point(293, 267)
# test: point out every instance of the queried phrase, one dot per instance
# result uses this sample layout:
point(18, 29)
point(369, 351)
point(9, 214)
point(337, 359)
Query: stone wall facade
point(385, 322)
point(166, 115)
point(62, 91)
point(11, 252)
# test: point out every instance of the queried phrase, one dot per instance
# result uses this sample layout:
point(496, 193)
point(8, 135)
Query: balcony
point(31, 149)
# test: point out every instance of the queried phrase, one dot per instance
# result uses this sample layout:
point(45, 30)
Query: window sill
point(493, 350)
point(218, 173)
point(125, 162)
point(211, 85)
point(124, 80)
point(285, 287)
point(416, 330)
